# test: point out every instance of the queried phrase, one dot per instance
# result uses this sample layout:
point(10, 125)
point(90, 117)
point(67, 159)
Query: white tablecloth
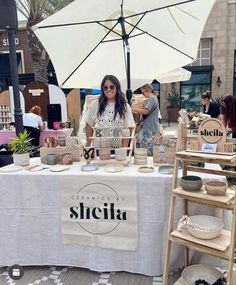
point(30, 223)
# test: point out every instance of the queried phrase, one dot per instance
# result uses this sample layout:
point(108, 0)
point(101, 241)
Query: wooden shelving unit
point(112, 159)
point(224, 245)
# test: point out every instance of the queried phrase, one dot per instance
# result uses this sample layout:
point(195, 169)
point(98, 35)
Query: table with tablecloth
point(7, 135)
point(30, 222)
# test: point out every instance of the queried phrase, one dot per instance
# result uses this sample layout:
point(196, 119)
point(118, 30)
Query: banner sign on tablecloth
point(99, 211)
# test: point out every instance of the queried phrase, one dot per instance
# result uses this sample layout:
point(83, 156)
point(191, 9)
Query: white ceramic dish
point(114, 168)
point(146, 169)
point(166, 169)
point(206, 227)
point(37, 168)
point(59, 168)
point(10, 168)
point(200, 271)
point(89, 167)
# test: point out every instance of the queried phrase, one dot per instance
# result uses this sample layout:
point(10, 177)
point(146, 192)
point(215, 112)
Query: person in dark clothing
point(210, 107)
point(228, 111)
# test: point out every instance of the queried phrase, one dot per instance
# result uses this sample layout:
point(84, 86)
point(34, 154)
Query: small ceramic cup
point(120, 153)
point(71, 141)
point(61, 140)
point(52, 159)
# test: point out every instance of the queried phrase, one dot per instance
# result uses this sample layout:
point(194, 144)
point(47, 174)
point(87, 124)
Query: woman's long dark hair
point(120, 102)
point(228, 110)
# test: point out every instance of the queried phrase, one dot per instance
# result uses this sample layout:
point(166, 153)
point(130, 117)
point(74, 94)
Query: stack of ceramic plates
point(140, 156)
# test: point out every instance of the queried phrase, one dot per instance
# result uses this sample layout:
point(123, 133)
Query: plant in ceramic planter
point(21, 147)
point(174, 102)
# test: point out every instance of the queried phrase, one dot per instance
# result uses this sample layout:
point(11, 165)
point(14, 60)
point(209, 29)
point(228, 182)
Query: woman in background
point(210, 107)
point(228, 111)
point(110, 110)
point(33, 124)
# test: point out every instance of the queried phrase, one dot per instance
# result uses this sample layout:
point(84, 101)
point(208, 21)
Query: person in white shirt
point(33, 124)
point(110, 110)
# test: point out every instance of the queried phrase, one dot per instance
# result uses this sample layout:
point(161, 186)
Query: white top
point(32, 120)
point(107, 118)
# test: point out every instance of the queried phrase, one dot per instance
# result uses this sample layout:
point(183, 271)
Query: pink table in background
point(7, 135)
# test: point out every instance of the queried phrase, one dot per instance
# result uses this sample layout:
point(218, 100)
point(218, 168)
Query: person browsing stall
point(210, 107)
point(150, 120)
point(33, 124)
point(228, 112)
point(110, 110)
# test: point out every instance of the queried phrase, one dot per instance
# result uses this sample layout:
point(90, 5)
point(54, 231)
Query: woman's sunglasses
point(106, 87)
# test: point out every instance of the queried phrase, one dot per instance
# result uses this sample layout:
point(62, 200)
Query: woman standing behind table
point(228, 111)
point(110, 110)
point(210, 107)
point(33, 124)
point(150, 125)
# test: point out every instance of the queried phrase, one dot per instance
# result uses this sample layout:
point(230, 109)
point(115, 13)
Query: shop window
point(192, 89)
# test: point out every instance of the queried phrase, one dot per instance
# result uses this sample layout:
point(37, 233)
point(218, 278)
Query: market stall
point(30, 220)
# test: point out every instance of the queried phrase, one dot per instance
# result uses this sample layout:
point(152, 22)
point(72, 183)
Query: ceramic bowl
point(216, 187)
point(191, 183)
point(205, 227)
point(200, 271)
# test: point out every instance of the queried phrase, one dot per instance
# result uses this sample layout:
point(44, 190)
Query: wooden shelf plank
point(211, 171)
point(202, 197)
point(218, 245)
point(206, 157)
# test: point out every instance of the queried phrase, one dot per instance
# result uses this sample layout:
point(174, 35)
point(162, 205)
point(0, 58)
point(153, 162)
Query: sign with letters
point(5, 42)
point(99, 211)
point(212, 131)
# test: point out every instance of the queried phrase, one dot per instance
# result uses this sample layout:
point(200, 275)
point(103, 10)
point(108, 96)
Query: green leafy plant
point(22, 143)
point(174, 98)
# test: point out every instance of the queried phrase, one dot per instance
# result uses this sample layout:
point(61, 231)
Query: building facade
point(215, 68)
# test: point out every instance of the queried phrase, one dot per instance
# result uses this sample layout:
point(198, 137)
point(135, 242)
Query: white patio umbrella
point(179, 74)
point(132, 39)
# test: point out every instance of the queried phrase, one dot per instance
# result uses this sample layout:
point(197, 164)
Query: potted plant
point(173, 107)
point(21, 147)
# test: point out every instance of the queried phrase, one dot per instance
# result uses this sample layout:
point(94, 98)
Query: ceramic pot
point(61, 140)
point(191, 182)
point(21, 159)
point(120, 153)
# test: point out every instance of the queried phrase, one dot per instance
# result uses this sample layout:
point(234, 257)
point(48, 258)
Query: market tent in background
point(179, 74)
point(88, 39)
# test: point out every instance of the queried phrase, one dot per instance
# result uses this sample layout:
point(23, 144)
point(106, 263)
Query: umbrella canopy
point(179, 74)
point(133, 39)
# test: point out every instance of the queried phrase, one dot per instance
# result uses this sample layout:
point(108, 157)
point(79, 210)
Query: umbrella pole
point(125, 37)
point(129, 92)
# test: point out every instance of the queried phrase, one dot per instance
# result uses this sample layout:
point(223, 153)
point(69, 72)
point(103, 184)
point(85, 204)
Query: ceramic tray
point(114, 168)
point(10, 168)
point(166, 169)
point(59, 168)
point(146, 169)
